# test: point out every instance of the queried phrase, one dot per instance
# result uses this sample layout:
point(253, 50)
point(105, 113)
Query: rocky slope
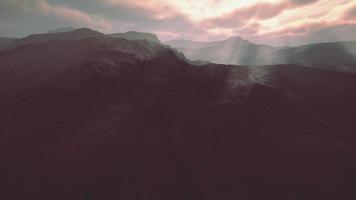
point(5, 42)
point(134, 35)
point(106, 118)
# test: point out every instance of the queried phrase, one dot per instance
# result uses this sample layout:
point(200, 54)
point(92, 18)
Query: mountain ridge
point(77, 34)
point(134, 35)
point(237, 51)
point(6, 42)
point(111, 118)
point(71, 34)
point(61, 30)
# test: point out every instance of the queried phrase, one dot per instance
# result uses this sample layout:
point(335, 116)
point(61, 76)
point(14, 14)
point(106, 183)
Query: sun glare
point(203, 9)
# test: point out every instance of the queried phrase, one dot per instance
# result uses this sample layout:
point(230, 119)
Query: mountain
point(340, 56)
point(337, 56)
point(61, 30)
point(77, 34)
point(110, 118)
point(186, 43)
point(234, 50)
point(133, 35)
point(5, 42)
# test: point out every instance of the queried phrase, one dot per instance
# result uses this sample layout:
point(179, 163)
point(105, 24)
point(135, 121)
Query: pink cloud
point(170, 19)
point(257, 12)
point(156, 9)
point(241, 16)
point(351, 13)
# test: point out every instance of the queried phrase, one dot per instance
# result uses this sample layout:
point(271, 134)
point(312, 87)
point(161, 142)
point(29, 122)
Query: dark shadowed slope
point(133, 35)
point(5, 42)
point(106, 118)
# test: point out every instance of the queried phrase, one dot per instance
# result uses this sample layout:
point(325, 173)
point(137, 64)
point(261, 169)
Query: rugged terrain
point(109, 118)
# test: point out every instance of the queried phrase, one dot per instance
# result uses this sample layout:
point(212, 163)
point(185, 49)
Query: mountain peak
point(86, 31)
point(61, 30)
point(237, 39)
point(134, 35)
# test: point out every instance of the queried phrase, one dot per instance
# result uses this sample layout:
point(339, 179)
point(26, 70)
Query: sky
point(274, 22)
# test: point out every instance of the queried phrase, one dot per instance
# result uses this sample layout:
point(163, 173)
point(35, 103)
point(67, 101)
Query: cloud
point(303, 2)
point(257, 11)
point(160, 17)
point(20, 17)
point(351, 13)
point(242, 16)
point(308, 33)
point(171, 19)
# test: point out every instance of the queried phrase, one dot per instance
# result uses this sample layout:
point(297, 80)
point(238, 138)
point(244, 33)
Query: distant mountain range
point(71, 34)
point(238, 51)
point(339, 56)
point(234, 50)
